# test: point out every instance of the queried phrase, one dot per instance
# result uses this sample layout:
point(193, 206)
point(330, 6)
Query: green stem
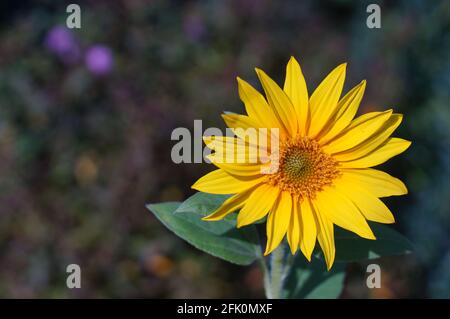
point(275, 275)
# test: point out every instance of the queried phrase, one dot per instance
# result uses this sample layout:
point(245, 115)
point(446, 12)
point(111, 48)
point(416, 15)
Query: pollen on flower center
point(304, 169)
point(297, 164)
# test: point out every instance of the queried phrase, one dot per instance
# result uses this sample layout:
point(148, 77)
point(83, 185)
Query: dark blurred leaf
point(313, 281)
point(351, 247)
point(220, 238)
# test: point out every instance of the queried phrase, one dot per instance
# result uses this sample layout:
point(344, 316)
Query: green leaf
point(312, 280)
point(219, 238)
point(204, 204)
point(351, 247)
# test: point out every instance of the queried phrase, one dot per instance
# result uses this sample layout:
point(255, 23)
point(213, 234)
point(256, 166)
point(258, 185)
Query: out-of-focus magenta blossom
point(99, 59)
point(193, 27)
point(63, 43)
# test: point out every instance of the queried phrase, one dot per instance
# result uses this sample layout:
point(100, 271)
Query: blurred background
point(86, 116)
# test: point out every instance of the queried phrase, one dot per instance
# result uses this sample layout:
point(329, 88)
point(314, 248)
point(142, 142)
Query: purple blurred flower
point(193, 27)
point(62, 42)
point(99, 59)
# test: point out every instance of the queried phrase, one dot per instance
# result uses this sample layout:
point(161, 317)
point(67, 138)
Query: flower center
point(304, 169)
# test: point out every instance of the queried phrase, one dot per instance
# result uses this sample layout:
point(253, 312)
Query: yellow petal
point(371, 207)
point(308, 229)
point(378, 183)
point(256, 105)
point(280, 103)
point(346, 110)
point(258, 205)
point(215, 142)
point(222, 143)
point(235, 121)
point(220, 182)
point(393, 146)
point(359, 130)
point(278, 221)
point(239, 169)
point(239, 121)
point(371, 143)
point(235, 150)
point(325, 235)
point(324, 100)
point(296, 90)
point(231, 205)
point(342, 212)
point(293, 234)
point(246, 129)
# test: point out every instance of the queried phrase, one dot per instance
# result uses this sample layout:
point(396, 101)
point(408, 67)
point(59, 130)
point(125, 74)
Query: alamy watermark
point(73, 20)
point(74, 278)
point(236, 146)
point(374, 279)
point(373, 20)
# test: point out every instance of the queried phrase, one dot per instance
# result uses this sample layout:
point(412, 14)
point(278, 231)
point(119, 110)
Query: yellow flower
point(324, 157)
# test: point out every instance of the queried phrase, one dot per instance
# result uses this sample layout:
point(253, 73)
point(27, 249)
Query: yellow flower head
point(323, 157)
